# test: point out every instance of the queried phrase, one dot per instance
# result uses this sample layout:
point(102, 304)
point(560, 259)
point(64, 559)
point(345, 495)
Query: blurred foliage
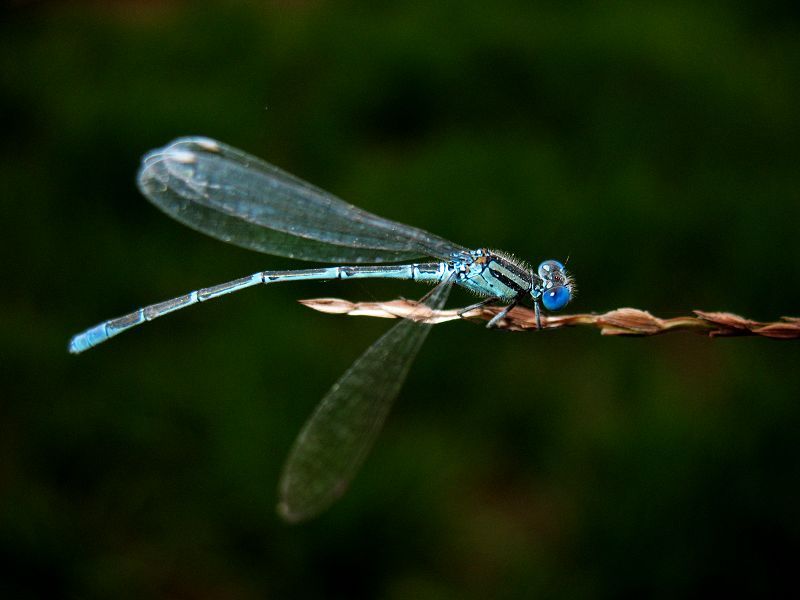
point(654, 143)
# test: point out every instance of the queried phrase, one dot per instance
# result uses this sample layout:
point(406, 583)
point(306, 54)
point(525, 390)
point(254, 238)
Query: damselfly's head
point(557, 286)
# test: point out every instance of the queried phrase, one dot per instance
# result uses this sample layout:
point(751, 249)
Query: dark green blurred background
point(655, 144)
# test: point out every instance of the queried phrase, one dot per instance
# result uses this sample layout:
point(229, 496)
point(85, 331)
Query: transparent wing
point(337, 438)
point(241, 199)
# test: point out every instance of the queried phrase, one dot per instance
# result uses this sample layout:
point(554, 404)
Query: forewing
point(246, 201)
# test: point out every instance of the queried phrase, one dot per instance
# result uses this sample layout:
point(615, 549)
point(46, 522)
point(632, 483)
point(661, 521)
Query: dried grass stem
point(622, 321)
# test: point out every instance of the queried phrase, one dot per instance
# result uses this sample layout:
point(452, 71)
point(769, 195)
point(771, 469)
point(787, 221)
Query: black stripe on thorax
point(509, 283)
point(510, 276)
point(521, 271)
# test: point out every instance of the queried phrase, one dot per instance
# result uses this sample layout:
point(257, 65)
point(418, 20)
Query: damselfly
point(240, 199)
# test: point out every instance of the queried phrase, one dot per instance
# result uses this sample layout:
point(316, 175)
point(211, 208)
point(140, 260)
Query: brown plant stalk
point(622, 321)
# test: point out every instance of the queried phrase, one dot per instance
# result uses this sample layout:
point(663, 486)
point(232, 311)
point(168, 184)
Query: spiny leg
point(481, 304)
point(499, 316)
point(538, 317)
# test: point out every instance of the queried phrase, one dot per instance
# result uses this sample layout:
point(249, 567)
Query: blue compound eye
point(548, 267)
point(556, 298)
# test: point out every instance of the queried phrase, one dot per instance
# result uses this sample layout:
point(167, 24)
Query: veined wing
point(337, 438)
point(246, 201)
